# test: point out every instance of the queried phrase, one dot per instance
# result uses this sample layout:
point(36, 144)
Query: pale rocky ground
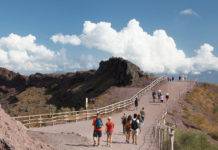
point(78, 136)
point(14, 136)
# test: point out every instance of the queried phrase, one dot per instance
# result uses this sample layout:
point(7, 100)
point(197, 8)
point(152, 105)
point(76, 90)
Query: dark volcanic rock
point(69, 89)
point(49, 80)
point(122, 71)
point(11, 81)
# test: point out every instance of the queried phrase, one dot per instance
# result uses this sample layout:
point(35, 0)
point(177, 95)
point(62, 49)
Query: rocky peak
point(11, 80)
point(122, 71)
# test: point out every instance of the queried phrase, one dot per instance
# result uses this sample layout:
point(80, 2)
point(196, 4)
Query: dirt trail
point(78, 136)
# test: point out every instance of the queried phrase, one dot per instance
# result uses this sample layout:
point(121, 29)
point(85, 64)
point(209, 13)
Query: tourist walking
point(136, 103)
point(128, 127)
point(154, 94)
point(161, 98)
point(135, 129)
point(140, 122)
point(167, 96)
point(97, 134)
point(124, 121)
point(142, 113)
point(159, 93)
point(109, 131)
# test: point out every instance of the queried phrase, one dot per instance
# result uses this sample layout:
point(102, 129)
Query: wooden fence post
point(87, 117)
point(40, 121)
point(172, 138)
point(76, 116)
point(66, 119)
point(52, 119)
point(159, 134)
point(29, 122)
point(105, 111)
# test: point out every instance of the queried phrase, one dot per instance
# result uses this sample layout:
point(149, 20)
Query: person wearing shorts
point(135, 129)
point(97, 134)
point(128, 128)
point(109, 131)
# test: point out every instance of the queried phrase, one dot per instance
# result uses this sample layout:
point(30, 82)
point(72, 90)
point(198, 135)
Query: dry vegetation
point(201, 109)
point(32, 99)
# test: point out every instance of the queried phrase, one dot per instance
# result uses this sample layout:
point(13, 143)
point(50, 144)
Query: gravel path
point(78, 136)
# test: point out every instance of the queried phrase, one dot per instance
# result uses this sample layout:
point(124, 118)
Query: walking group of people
point(132, 125)
point(158, 95)
point(98, 127)
point(180, 78)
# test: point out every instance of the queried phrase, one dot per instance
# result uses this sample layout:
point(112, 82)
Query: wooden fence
point(74, 116)
point(163, 134)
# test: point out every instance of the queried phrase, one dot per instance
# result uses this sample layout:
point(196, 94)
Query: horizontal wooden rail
point(74, 116)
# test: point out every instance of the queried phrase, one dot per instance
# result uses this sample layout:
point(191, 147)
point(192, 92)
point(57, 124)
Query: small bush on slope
point(192, 141)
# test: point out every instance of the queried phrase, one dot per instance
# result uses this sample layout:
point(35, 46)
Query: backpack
point(128, 126)
point(135, 124)
point(98, 123)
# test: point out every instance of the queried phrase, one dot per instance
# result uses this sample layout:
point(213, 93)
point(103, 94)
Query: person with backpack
point(124, 120)
point(128, 127)
point(135, 128)
point(97, 134)
point(109, 131)
point(136, 103)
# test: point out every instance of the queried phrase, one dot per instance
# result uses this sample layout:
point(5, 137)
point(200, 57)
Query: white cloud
point(23, 54)
point(189, 12)
point(87, 62)
point(65, 39)
point(156, 52)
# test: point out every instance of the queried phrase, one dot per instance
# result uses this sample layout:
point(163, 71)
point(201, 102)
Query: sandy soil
point(78, 136)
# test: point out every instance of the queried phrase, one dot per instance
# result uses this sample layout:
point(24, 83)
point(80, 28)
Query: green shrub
point(192, 141)
point(215, 109)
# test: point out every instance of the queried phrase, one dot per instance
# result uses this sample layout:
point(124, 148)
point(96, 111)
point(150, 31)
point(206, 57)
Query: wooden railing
point(163, 134)
point(74, 116)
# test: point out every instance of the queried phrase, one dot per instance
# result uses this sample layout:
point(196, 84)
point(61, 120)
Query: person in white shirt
point(161, 98)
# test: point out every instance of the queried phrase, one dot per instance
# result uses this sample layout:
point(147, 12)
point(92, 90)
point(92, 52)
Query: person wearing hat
point(109, 131)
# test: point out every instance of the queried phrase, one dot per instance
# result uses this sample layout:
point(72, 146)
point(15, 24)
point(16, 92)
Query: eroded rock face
point(121, 70)
point(11, 81)
point(13, 136)
point(67, 90)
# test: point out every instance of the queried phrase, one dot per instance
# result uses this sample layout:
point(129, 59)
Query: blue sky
point(45, 18)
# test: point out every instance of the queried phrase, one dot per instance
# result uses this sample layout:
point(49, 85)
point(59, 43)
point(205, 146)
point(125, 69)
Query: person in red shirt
point(109, 131)
point(98, 124)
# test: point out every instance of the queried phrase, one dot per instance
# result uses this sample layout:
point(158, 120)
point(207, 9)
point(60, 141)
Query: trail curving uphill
point(78, 136)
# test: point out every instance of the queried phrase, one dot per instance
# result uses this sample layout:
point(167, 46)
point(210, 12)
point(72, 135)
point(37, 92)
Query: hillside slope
point(42, 93)
point(201, 109)
point(13, 135)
